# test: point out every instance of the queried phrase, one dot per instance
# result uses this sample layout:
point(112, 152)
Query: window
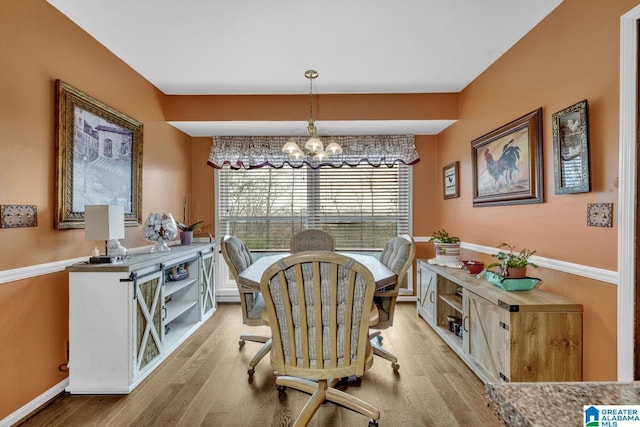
point(362, 207)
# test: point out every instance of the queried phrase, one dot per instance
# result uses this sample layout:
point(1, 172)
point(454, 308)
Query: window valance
point(248, 152)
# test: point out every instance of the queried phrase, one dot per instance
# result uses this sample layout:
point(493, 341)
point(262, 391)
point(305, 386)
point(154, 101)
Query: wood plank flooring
point(205, 383)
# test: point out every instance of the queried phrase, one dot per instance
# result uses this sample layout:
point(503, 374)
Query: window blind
point(362, 206)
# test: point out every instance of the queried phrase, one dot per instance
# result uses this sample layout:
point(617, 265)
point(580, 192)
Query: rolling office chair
point(318, 306)
point(238, 258)
point(397, 255)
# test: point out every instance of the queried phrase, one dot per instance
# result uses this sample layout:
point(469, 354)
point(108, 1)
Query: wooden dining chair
point(238, 257)
point(397, 255)
point(318, 306)
point(312, 239)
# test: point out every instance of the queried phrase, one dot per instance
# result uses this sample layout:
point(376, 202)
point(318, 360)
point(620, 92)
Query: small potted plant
point(447, 247)
point(512, 265)
point(186, 231)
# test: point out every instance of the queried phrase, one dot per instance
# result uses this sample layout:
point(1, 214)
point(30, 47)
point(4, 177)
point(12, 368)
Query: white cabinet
point(522, 336)
point(125, 319)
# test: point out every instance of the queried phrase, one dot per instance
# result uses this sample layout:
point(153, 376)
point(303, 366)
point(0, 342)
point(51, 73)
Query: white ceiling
point(264, 47)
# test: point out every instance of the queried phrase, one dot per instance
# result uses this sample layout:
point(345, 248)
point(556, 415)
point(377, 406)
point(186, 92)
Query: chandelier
point(313, 147)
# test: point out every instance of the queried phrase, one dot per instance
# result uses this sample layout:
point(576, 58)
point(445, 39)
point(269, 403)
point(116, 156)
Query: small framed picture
point(571, 149)
point(451, 181)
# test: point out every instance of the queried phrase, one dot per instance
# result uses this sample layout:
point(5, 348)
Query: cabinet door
point(487, 335)
point(208, 300)
point(426, 299)
point(147, 327)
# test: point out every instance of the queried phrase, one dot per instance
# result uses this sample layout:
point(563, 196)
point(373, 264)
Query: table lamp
point(103, 222)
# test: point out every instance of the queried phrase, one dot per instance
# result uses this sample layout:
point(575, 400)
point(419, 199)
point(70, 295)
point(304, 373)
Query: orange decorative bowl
point(474, 267)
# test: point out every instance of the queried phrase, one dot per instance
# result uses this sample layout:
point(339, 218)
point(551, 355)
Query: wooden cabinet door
point(147, 321)
point(487, 338)
point(426, 298)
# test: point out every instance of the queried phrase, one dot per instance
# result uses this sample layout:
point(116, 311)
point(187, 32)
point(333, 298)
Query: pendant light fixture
point(313, 148)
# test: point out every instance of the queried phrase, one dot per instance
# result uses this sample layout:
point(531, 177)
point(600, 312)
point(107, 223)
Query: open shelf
point(172, 287)
point(454, 300)
point(175, 309)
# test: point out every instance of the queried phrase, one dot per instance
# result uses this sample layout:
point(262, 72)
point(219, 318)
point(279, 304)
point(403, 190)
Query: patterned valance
point(249, 152)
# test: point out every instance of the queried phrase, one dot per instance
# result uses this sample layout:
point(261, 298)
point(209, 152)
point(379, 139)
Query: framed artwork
point(451, 181)
point(571, 149)
point(507, 163)
point(98, 158)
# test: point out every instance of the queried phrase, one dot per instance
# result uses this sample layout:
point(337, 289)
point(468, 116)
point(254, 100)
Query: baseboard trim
point(35, 404)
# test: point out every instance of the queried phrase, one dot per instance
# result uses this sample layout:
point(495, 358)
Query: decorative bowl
point(524, 284)
point(474, 267)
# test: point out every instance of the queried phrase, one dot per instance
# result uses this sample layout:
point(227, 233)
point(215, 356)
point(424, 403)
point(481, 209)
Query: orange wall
point(37, 46)
point(419, 106)
point(571, 55)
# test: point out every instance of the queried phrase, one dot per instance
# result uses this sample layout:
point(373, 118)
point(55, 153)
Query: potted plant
point(512, 265)
point(186, 231)
point(447, 247)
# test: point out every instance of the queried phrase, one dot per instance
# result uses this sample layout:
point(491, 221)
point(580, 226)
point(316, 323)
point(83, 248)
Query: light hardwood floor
point(205, 383)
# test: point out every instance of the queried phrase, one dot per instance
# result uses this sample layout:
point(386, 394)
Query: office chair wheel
point(282, 389)
point(251, 371)
point(379, 338)
point(373, 424)
point(395, 366)
point(241, 344)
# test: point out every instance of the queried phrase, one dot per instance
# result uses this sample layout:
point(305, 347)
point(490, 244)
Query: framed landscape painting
point(507, 163)
point(98, 158)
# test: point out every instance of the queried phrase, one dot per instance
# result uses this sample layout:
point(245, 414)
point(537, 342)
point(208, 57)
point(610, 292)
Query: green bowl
point(524, 284)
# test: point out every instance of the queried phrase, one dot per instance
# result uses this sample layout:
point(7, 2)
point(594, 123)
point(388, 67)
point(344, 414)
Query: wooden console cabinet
point(520, 336)
point(126, 318)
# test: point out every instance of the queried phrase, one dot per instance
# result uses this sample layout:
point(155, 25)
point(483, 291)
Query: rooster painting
point(506, 165)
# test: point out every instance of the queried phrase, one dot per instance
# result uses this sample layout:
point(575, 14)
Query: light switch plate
point(600, 214)
point(14, 216)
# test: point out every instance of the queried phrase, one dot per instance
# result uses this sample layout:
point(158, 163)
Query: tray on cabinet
point(523, 284)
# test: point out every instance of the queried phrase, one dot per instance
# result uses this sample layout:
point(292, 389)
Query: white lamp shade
point(333, 148)
point(103, 222)
point(290, 147)
point(314, 144)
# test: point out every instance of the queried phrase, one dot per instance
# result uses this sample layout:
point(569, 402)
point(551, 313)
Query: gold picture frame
point(98, 158)
point(570, 129)
point(507, 163)
point(451, 181)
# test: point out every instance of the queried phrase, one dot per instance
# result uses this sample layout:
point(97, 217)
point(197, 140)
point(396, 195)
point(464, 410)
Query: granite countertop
point(544, 404)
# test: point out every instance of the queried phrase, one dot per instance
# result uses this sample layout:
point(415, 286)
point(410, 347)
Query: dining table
point(382, 275)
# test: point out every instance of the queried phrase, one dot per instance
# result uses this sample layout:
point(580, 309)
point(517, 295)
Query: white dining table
point(383, 277)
